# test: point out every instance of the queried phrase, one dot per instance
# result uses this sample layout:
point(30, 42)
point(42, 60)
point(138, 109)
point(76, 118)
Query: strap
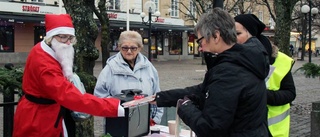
point(60, 115)
point(37, 100)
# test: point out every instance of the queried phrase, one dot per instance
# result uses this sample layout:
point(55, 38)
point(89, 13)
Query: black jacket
point(232, 99)
point(286, 94)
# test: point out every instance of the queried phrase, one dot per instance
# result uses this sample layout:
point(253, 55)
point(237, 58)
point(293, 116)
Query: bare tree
point(86, 32)
point(86, 53)
point(281, 12)
point(101, 13)
point(236, 7)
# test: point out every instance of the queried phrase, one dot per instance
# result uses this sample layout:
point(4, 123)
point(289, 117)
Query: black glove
point(198, 100)
point(183, 101)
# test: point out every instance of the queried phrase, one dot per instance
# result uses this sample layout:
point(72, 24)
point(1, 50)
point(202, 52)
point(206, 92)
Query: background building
point(22, 26)
point(172, 36)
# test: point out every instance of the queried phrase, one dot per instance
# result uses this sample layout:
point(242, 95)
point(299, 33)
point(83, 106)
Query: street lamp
point(306, 9)
point(148, 23)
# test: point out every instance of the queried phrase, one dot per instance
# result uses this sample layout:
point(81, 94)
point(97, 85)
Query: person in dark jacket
point(231, 100)
point(281, 89)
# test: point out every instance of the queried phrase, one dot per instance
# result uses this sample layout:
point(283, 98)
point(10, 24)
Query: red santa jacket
point(43, 78)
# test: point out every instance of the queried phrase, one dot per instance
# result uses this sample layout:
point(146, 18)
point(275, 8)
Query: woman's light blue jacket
point(117, 76)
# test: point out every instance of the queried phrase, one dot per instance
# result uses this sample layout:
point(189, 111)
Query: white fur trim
point(47, 49)
point(60, 30)
point(120, 111)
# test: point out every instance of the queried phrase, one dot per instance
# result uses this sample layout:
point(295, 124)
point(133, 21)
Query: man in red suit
point(48, 92)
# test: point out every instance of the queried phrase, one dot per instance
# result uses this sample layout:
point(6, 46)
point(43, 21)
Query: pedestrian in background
point(281, 89)
point(48, 93)
point(231, 100)
point(291, 48)
point(129, 69)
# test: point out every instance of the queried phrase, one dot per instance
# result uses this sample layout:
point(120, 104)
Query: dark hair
point(217, 20)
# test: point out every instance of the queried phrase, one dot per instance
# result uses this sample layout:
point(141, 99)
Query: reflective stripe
point(278, 118)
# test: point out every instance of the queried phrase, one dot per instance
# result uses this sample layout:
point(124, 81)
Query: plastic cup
point(172, 127)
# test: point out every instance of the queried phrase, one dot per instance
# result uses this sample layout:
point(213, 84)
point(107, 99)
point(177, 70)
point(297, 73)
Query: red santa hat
point(58, 24)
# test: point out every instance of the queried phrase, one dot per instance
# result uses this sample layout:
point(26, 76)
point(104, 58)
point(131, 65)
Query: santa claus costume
point(47, 89)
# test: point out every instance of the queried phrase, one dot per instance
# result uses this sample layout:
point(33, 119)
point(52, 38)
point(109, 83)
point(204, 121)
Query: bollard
point(8, 112)
point(315, 119)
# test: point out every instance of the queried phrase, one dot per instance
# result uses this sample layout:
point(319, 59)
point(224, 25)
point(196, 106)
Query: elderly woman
point(280, 86)
point(129, 69)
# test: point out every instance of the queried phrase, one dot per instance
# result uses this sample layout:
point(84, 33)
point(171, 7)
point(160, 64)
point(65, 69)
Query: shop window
point(153, 46)
point(196, 48)
point(191, 45)
point(175, 43)
point(114, 37)
point(160, 45)
point(190, 48)
point(39, 33)
point(6, 39)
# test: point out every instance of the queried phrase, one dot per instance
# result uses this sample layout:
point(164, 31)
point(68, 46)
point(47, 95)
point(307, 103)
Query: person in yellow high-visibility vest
point(281, 92)
point(281, 89)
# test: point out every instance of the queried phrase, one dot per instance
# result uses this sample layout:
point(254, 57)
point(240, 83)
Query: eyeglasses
point(125, 48)
point(64, 38)
point(200, 40)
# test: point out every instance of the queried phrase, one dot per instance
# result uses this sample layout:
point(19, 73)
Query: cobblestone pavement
point(178, 74)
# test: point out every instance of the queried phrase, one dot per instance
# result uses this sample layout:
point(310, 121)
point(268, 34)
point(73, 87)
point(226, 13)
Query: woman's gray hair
point(130, 36)
point(217, 20)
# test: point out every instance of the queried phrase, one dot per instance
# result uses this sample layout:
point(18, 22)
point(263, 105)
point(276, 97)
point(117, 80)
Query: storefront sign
point(112, 15)
point(160, 20)
point(30, 8)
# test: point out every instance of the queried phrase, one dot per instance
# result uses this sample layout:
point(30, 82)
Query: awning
point(22, 18)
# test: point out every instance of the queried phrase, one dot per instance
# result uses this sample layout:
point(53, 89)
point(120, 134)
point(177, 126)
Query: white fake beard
point(65, 55)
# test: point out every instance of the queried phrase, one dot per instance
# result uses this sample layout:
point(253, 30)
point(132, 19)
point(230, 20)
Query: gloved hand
point(197, 100)
point(183, 101)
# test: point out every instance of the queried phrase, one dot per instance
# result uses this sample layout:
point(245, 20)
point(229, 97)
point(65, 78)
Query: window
point(249, 11)
point(271, 22)
point(114, 37)
point(175, 43)
point(157, 4)
point(159, 44)
point(192, 8)
point(175, 8)
point(260, 15)
point(39, 33)
point(36, 0)
point(6, 39)
point(114, 5)
point(236, 11)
